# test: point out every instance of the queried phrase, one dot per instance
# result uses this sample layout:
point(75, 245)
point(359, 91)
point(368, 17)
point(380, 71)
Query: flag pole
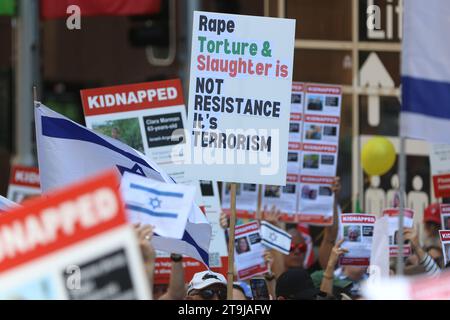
point(35, 96)
point(231, 233)
point(402, 188)
point(258, 205)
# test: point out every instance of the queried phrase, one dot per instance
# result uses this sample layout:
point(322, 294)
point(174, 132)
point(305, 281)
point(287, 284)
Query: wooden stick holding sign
point(230, 273)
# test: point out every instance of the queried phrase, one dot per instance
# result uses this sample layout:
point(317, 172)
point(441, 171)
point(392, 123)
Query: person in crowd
point(207, 285)
point(425, 260)
point(176, 289)
point(435, 252)
point(327, 284)
point(144, 235)
point(330, 232)
point(432, 221)
point(242, 291)
point(296, 284)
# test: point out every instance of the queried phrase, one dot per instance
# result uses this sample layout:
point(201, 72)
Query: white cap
point(204, 279)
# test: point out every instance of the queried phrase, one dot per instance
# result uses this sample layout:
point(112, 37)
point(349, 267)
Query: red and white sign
point(57, 243)
point(357, 231)
point(440, 169)
point(248, 251)
point(311, 162)
point(23, 183)
point(445, 216)
point(445, 244)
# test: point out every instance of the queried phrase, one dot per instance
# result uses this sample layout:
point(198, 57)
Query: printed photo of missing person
point(309, 193)
point(315, 103)
point(296, 98)
point(241, 245)
point(352, 233)
point(313, 132)
point(311, 161)
point(289, 188)
point(272, 191)
point(294, 127)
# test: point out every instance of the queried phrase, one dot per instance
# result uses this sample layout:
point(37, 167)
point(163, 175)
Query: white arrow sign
point(374, 74)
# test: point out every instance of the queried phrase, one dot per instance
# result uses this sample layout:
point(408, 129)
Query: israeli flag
point(425, 110)
point(275, 238)
point(69, 152)
point(165, 206)
point(6, 204)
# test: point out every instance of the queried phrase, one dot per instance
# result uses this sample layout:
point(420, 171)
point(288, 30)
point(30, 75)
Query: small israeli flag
point(165, 206)
point(275, 238)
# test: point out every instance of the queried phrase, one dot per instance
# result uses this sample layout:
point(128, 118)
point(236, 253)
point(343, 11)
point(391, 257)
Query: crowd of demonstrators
point(288, 277)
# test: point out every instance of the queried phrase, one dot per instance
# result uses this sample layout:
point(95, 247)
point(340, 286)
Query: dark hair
point(296, 284)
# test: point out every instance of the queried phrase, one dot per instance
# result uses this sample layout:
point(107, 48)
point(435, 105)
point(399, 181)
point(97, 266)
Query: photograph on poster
point(352, 233)
point(313, 132)
point(315, 103)
point(242, 245)
point(296, 98)
point(309, 193)
point(125, 130)
point(272, 191)
point(311, 161)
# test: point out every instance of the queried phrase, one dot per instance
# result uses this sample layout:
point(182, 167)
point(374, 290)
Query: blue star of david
point(136, 169)
point(155, 203)
point(273, 236)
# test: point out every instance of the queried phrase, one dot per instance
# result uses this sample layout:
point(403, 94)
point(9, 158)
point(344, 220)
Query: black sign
point(159, 129)
point(105, 278)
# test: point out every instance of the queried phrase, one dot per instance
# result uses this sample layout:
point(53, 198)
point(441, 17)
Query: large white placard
point(239, 98)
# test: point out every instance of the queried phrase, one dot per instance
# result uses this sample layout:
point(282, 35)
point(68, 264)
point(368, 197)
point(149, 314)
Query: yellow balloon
point(377, 156)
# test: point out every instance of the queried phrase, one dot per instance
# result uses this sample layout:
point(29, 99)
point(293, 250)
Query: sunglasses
point(208, 294)
point(301, 247)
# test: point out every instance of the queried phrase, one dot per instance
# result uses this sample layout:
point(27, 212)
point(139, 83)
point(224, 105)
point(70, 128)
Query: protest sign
point(408, 221)
point(445, 244)
point(248, 251)
point(357, 231)
point(23, 183)
point(74, 244)
point(440, 169)
point(149, 117)
point(320, 145)
point(239, 96)
point(445, 216)
point(162, 205)
point(307, 196)
point(275, 238)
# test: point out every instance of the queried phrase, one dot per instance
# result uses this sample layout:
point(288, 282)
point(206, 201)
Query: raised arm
point(326, 285)
point(177, 288)
point(144, 235)
point(431, 268)
point(330, 233)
